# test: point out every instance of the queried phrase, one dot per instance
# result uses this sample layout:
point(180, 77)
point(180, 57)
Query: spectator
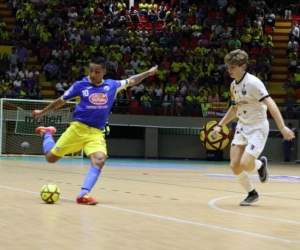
point(23, 91)
point(294, 32)
point(152, 15)
point(56, 52)
point(201, 98)
point(292, 45)
point(23, 55)
point(213, 97)
point(190, 102)
point(64, 70)
point(135, 63)
point(293, 64)
point(143, 8)
point(33, 72)
point(270, 18)
point(168, 103)
point(51, 71)
point(134, 16)
point(61, 87)
point(13, 57)
point(137, 91)
point(23, 73)
point(72, 15)
point(146, 100)
point(158, 92)
point(179, 104)
point(13, 72)
point(10, 92)
point(165, 41)
point(34, 92)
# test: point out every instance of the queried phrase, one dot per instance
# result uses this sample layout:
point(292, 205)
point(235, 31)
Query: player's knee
point(99, 162)
point(50, 158)
point(234, 166)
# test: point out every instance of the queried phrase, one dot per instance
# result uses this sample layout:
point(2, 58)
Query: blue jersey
point(94, 101)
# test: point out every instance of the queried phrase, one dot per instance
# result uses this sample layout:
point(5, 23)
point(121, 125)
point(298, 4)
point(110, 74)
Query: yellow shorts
point(80, 136)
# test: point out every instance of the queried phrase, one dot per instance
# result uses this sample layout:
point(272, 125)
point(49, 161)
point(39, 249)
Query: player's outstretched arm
point(275, 112)
point(53, 105)
point(136, 79)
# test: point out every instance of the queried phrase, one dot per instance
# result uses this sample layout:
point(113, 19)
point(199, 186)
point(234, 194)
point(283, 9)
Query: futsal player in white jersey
point(250, 101)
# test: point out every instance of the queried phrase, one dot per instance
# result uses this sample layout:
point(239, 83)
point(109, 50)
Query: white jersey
point(247, 94)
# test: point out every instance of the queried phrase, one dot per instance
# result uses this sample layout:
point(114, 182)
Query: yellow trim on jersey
point(93, 83)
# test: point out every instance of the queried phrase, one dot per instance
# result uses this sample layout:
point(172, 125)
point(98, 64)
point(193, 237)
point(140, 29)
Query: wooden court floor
point(147, 205)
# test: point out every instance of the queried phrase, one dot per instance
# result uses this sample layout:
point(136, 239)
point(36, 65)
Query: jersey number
point(85, 92)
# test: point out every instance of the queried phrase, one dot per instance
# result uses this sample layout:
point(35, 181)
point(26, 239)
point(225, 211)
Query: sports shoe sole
point(244, 203)
point(38, 130)
point(266, 169)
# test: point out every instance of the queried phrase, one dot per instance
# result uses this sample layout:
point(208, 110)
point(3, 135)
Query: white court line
point(212, 205)
point(173, 219)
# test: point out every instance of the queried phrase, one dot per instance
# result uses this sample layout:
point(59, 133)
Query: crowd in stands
point(188, 42)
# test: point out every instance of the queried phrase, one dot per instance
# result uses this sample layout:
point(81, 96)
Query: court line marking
point(199, 224)
point(212, 205)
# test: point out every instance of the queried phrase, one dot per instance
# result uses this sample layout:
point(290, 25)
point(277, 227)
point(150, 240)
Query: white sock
point(258, 164)
point(244, 180)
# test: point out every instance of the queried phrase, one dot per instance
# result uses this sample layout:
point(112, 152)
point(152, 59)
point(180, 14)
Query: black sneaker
point(263, 171)
point(252, 197)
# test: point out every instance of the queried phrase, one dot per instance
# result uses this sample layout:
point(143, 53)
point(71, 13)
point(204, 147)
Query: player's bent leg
point(236, 155)
point(236, 152)
point(247, 162)
point(97, 161)
point(48, 142)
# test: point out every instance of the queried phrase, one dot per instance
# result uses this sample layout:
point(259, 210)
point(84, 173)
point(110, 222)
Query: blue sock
point(89, 181)
point(48, 142)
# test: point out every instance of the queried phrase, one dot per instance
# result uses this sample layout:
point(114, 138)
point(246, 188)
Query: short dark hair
point(99, 60)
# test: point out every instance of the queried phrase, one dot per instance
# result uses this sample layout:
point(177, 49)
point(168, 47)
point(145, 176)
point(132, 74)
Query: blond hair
point(236, 57)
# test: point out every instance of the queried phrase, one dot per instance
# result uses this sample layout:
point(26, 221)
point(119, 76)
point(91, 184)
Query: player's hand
point(37, 113)
point(287, 133)
point(152, 71)
point(216, 131)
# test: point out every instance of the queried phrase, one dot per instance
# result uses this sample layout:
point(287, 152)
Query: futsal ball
point(25, 145)
point(50, 193)
point(206, 136)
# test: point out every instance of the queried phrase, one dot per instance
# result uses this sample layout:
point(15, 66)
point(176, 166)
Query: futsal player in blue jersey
point(95, 97)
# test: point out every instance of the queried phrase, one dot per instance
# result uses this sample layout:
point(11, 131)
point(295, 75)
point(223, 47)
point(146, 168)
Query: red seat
point(148, 26)
point(195, 41)
point(173, 79)
point(255, 51)
point(185, 42)
point(129, 25)
point(269, 29)
point(158, 26)
point(143, 19)
point(140, 25)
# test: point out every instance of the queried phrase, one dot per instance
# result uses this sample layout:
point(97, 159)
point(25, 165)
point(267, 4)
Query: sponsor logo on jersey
point(98, 98)
point(106, 88)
